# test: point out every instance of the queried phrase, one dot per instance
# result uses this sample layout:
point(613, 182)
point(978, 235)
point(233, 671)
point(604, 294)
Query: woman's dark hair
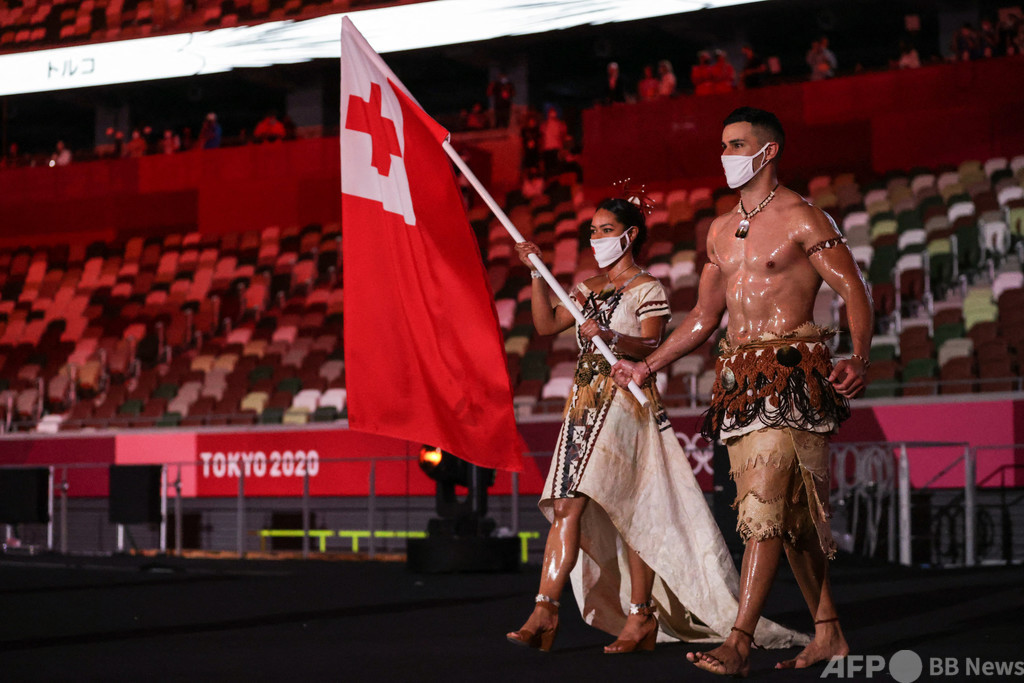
point(630, 215)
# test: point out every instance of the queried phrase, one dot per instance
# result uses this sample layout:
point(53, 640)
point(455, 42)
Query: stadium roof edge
point(387, 29)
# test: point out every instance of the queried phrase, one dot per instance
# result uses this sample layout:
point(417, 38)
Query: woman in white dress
point(620, 486)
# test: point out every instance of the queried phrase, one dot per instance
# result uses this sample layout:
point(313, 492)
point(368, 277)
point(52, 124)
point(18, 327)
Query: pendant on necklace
point(741, 231)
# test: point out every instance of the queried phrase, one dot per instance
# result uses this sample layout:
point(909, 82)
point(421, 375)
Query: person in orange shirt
point(723, 74)
point(702, 75)
point(270, 129)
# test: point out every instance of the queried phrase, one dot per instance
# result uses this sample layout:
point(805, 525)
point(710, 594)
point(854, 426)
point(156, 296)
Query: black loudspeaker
point(439, 553)
point(25, 495)
point(135, 494)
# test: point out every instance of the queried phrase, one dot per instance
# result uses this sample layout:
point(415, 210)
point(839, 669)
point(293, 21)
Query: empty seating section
point(943, 250)
point(182, 329)
point(194, 329)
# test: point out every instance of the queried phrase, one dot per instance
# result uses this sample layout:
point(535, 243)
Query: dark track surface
point(138, 619)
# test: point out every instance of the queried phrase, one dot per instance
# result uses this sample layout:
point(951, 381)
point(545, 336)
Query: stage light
point(460, 537)
point(430, 458)
point(443, 467)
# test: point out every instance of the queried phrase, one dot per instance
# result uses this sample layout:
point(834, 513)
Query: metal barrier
point(868, 478)
point(172, 481)
point(971, 520)
point(879, 477)
point(866, 485)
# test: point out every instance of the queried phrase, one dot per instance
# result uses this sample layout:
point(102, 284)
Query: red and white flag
point(424, 357)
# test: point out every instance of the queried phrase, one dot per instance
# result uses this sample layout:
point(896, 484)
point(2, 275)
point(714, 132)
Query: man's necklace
point(741, 232)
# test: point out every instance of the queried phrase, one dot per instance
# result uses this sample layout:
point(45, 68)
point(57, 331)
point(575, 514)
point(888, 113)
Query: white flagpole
point(570, 304)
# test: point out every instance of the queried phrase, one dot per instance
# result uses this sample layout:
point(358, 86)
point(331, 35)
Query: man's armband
point(826, 244)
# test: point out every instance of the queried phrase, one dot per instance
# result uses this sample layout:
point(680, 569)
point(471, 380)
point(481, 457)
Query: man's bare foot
point(731, 658)
point(640, 632)
point(828, 643)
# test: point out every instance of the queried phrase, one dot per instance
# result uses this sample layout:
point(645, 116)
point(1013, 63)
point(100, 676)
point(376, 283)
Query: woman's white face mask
point(607, 250)
point(740, 169)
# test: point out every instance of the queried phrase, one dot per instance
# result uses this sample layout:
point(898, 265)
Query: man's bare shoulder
point(732, 210)
point(719, 222)
point(805, 221)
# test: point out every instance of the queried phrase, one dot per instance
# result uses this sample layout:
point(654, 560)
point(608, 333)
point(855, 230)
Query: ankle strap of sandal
point(748, 634)
point(643, 608)
point(546, 602)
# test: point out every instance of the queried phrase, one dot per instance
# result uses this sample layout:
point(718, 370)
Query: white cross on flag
point(424, 355)
point(371, 120)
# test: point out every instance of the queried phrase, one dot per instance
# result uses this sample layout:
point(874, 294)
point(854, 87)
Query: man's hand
point(624, 371)
point(848, 377)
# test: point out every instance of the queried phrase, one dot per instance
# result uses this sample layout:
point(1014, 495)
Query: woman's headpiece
point(635, 196)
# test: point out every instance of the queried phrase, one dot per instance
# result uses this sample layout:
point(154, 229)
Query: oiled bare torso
point(770, 282)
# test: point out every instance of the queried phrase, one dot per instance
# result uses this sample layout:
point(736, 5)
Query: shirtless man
point(777, 395)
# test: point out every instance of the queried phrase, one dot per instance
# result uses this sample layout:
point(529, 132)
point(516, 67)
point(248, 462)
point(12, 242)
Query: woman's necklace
point(741, 232)
point(611, 278)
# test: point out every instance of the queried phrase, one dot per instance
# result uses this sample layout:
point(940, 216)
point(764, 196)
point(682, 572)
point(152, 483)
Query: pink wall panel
point(343, 467)
point(92, 455)
point(178, 448)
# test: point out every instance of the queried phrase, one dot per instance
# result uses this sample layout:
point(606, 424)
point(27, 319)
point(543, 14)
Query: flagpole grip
point(555, 285)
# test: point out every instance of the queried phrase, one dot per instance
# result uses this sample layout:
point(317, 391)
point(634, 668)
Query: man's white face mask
point(740, 169)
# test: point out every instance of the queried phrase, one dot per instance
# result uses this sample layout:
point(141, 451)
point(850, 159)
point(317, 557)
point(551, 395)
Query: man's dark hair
point(765, 123)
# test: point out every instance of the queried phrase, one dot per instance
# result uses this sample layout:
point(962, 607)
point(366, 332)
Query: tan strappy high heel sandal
point(645, 644)
point(541, 640)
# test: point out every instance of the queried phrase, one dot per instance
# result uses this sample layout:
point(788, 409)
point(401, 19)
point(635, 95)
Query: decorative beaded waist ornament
point(741, 232)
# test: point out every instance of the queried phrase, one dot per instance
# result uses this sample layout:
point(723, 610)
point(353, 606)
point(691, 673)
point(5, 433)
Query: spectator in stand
point(270, 129)
point(614, 91)
point(821, 60)
point(170, 143)
point(701, 74)
point(1016, 44)
point(533, 183)
point(647, 88)
point(909, 59)
point(554, 136)
point(475, 118)
point(754, 69)
point(502, 92)
point(152, 141)
point(666, 79)
point(61, 156)
point(136, 147)
point(988, 39)
point(1010, 26)
point(291, 132)
point(530, 133)
point(13, 158)
point(210, 133)
point(117, 143)
point(723, 75)
point(965, 44)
